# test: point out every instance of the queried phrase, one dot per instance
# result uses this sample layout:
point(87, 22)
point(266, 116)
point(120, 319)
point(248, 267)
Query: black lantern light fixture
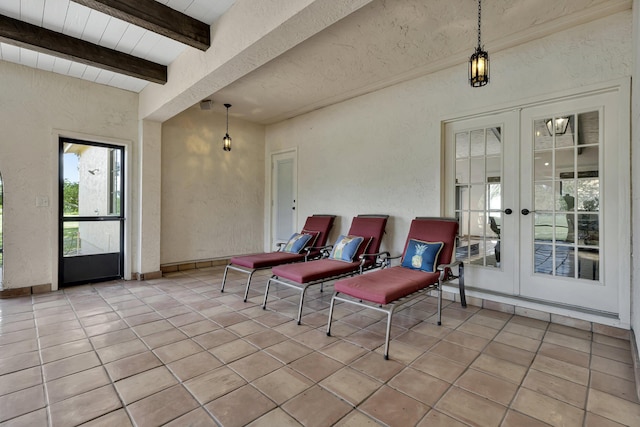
point(226, 141)
point(479, 61)
point(559, 125)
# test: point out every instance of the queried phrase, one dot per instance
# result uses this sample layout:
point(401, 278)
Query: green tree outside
point(70, 197)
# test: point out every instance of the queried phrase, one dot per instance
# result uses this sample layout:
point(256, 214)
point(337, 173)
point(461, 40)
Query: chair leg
point(246, 291)
point(439, 303)
point(333, 301)
point(266, 293)
point(388, 335)
point(301, 301)
point(224, 278)
point(463, 298)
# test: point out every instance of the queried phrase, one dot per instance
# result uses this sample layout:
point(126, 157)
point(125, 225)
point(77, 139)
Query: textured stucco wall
point(212, 200)
point(147, 186)
point(381, 152)
point(34, 105)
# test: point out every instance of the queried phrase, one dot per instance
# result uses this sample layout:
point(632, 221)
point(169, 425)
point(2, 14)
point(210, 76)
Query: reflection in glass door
point(479, 195)
point(567, 196)
point(91, 231)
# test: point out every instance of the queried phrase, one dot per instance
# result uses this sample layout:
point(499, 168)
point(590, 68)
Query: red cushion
point(322, 224)
point(385, 286)
point(368, 227)
point(266, 260)
point(317, 225)
point(435, 230)
point(314, 270)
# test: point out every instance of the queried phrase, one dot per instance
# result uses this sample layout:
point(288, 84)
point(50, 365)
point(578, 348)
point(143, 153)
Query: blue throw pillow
point(422, 255)
point(345, 248)
point(296, 243)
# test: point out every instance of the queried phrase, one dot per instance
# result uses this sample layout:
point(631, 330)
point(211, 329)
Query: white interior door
point(570, 202)
point(283, 202)
point(481, 187)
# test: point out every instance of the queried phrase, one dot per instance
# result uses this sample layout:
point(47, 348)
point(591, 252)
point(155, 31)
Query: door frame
point(127, 145)
point(268, 246)
point(120, 219)
point(623, 264)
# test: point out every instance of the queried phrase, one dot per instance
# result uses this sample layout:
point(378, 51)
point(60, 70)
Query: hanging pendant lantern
point(226, 141)
point(479, 61)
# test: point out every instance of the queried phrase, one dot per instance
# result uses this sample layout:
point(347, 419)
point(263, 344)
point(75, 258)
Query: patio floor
point(176, 351)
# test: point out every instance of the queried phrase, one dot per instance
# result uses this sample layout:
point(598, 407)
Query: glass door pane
point(566, 195)
point(478, 200)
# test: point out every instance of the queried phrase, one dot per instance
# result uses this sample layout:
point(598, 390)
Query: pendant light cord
point(479, 20)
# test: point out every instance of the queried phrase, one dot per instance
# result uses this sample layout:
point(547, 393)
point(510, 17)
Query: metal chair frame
point(302, 287)
point(251, 271)
point(445, 276)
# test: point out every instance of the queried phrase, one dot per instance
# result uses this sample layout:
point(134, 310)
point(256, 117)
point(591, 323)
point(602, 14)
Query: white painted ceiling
point(384, 42)
point(81, 22)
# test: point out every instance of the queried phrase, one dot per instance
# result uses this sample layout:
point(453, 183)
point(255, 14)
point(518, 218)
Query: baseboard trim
point(149, 275)
point(191, 265)
point(28, 290)
point(599, 325)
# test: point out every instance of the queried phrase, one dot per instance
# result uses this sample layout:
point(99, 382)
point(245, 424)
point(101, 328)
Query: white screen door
point(283, 204)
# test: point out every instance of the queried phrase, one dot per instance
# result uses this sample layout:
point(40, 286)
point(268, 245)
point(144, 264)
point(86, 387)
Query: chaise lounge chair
point(426, 265)
point(351, 254)
point(317, 228)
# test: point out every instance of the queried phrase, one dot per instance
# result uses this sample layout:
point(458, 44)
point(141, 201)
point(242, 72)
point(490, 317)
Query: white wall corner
point(635, 175)
point(147, 197)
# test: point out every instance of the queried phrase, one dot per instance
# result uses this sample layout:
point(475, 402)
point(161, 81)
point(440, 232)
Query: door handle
point(526, 211)
point(508, 211)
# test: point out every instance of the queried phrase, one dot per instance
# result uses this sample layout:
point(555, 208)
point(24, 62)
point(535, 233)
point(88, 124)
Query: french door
point(537, 192)
point(481, 191)
point(569, 202)
point(91, 200)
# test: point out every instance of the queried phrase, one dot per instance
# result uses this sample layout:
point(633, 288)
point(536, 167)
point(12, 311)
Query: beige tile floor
point(176, 351)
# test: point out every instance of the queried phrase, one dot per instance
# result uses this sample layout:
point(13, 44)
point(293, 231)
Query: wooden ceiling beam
point(22, 34)
point(156, 17)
